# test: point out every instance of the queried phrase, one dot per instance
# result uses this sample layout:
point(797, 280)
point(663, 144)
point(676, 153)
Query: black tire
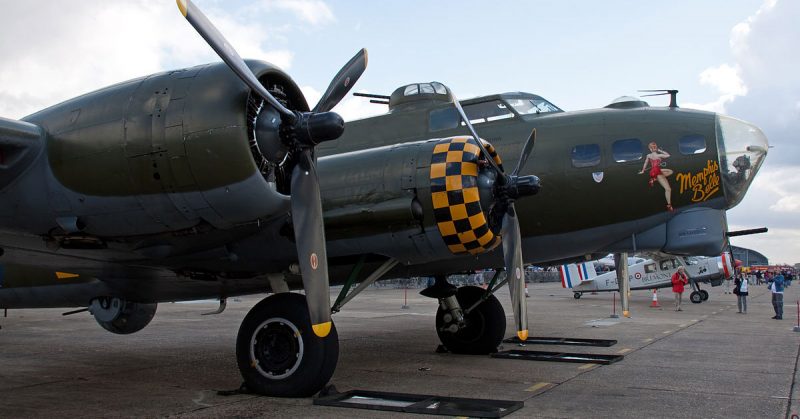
point(277, 352)
point(695, 297)
point(703, 295)
point(577, 295)
point(134, 317)
point(485, 326)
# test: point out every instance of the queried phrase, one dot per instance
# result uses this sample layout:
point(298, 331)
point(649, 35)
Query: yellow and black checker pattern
point(457, 208)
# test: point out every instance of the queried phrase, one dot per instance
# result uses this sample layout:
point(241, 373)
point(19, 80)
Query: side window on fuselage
point(649, 268)
point(629, 149)
point(444, 118)
point(692, 144)
point(586, 155)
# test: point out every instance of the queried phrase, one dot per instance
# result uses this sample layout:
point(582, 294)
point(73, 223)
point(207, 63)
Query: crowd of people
point(776, 279)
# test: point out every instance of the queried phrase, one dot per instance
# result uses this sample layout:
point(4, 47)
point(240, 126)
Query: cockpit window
point(492, 110)
point(668, 264)
point(532, 106)
point(692, 144)
point(439, 88)
point(425, 88)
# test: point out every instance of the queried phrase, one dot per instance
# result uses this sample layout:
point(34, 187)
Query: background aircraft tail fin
point(573, 274)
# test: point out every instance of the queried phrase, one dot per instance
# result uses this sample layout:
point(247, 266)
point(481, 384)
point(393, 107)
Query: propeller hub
point(520, 186)
point(311, 128)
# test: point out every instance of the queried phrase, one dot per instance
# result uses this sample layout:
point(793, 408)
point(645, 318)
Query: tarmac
point(705, 361)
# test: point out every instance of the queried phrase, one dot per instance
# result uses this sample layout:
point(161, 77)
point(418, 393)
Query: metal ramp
point(539, 340)
point(558, 357)
point(418, 403)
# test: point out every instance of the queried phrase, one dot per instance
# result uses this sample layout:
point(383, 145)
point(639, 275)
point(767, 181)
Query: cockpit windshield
point(532, 106)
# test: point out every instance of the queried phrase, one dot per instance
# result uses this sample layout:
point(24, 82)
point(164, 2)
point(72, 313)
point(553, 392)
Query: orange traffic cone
point(655, 299)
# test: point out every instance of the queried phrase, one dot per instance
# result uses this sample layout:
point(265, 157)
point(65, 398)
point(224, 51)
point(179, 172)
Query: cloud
point(762, 86)
point(314, 12)
point(70, 48)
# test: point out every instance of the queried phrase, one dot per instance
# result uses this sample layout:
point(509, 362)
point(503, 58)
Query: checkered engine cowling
point(462, 222)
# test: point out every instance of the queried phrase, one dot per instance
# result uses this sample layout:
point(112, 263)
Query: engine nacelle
point(120, 316)
point(164, 152)
point(413, 201)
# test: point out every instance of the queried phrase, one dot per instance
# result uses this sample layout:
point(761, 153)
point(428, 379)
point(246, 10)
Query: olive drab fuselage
point(161, 173)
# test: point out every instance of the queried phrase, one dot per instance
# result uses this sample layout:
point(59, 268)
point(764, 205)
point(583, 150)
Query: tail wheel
point(278, 353)
point(484, 327)
point(576, 295)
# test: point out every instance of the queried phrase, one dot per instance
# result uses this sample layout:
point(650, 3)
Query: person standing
point(679, 279)
point(776, 286)
point(727, 284)
point(740, 289)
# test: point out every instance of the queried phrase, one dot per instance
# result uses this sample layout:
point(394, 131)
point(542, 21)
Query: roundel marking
point(457, 208)
point(314, 261)
point(637, 275)
point(517, 273)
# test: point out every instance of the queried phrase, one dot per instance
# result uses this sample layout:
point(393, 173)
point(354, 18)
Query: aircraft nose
point(742, 149)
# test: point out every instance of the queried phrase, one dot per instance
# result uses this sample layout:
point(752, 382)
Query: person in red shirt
point(679, 279)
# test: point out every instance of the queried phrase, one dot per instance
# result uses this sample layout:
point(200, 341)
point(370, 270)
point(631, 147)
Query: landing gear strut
point(278, 353)
point(477, 332)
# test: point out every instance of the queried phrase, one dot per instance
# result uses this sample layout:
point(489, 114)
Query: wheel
point(485, 325)
point(122, 317)
point(695, 297)
point(703, 295)
point(277, 352)
point(577, 295)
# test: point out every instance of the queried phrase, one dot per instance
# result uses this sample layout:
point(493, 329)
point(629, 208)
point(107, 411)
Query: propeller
point(298, 133)
point(507, 189)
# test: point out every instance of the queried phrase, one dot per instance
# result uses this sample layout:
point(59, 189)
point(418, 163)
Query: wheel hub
point(276, 348)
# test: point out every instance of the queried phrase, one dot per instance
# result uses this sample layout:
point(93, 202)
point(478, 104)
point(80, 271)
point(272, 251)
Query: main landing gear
point(698, 295)
point(470, 320)
point(278, 353)
point(577, 295)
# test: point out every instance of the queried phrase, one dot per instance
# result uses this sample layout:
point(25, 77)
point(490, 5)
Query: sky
point(737, 57)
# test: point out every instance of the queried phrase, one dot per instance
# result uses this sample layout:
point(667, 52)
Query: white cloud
point(54, 51)
point(314, 12)
point(762, 86)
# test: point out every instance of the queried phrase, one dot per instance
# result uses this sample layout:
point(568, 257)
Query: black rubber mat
point(539, 340)
point(558, 357)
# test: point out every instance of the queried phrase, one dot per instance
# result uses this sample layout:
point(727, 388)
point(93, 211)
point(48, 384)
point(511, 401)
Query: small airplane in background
point(648, 274)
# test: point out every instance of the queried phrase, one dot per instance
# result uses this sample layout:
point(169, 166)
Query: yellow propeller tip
point(522, 334)
point(321, 329)
point(66, 275)
point(182, 7)
point(626, 313)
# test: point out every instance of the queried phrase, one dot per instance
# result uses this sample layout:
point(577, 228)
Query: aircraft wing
point(20, 142)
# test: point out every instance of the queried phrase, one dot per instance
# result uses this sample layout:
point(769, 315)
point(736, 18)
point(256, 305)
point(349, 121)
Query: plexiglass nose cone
point(742, 149)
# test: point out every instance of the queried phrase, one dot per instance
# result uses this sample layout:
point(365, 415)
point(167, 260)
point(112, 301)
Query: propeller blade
point(309, 234)
point(526, 152)
point(512, 253)
point(229, 55)
point(501, 176)
point(343, 82)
